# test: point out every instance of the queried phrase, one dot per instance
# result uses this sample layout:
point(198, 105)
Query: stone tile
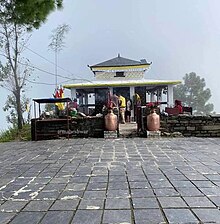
point(68, 195)
point(37, 206)
point(201, 202)
point(116, 216)
point(6, 217)
point(180, 216)
point(156, 177)
point(176, 177)
point(87, 217)
point(118, 185)
point(136, 178)
point(47, 174)
point(117, 178)
point(54, 187)
point(118, 194)
point(35, 187)
point(141, 193)
point(22, 196)
point(215, 200)
point(12, 206)
point(76, 186)
point(213, 177)
point(65, 205)
point(186, 192)
point(117, 203)
point(214, 191)
point(83, 171)
point(182, 184)
point(99, 186)
point(100, 172)
point(173, 172)
point(160, 184)
point(203, 184)
point(216, 182)
point(99, 179)
point(42, 180)
point(92, 204)
point(79, 179)
point(151, 169)
point(94, 195)
point(172, 202)
point(166, 192)
point(48, 195)
point(196, 177)
point(116, 171)
point(28, 217)
point(208, 215)
point(57, 217)
point(145, 203)
point(139, 185)
point(152, 216)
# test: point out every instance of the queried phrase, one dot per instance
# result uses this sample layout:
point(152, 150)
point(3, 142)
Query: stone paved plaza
point(103, 181)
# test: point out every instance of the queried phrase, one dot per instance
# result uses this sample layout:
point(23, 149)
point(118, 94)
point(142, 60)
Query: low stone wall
point(78, 127)
point(188, 125)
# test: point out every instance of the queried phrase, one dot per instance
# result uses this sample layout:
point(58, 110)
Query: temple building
point(124, 76)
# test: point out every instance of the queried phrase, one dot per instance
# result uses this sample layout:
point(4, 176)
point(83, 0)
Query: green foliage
point(11, 105)
point(27, 12)
point(13, 134)
point(194, 94)
point(57, 37)
point(25, 133)
point(8, 135)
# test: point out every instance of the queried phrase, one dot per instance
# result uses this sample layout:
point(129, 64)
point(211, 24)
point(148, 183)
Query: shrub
point(13, 134)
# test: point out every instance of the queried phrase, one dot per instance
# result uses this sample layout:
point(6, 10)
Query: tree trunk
point(18, 109)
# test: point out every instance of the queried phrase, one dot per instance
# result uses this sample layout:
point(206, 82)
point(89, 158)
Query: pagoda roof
point(120, 61)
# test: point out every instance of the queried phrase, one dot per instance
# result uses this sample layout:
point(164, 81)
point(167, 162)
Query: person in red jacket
point(178, 104)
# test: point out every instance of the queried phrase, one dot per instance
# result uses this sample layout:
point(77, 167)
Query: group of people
point(124, 106)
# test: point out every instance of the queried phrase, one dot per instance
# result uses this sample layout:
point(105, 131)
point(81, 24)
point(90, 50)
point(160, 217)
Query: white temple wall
point(110, 75)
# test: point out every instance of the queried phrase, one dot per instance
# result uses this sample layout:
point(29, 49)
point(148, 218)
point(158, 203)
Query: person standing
point(128, 110)
point(122, 106)
point(114, 100)
point(178, 104)
point(73, 107)
point(73, 104)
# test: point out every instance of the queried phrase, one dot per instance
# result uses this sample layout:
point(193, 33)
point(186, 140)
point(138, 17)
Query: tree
point(14, 69)
point(194, 94)
point(57, 43)
point(17, 17)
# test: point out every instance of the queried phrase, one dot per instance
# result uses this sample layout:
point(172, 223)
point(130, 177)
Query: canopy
point(52, 100)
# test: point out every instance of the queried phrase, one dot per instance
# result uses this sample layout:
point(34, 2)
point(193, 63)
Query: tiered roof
point(120, 61)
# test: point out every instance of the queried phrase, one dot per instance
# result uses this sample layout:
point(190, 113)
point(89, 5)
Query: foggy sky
point(178, 37)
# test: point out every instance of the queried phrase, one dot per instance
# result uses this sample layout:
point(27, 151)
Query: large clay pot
point(111, 121)
point(153, 121)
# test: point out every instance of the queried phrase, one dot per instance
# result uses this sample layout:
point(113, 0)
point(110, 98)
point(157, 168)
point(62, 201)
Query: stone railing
point(74, 127)
point(188, 125)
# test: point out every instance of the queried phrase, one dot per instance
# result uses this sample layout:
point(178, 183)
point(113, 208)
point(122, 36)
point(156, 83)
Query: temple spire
point(119, 55)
